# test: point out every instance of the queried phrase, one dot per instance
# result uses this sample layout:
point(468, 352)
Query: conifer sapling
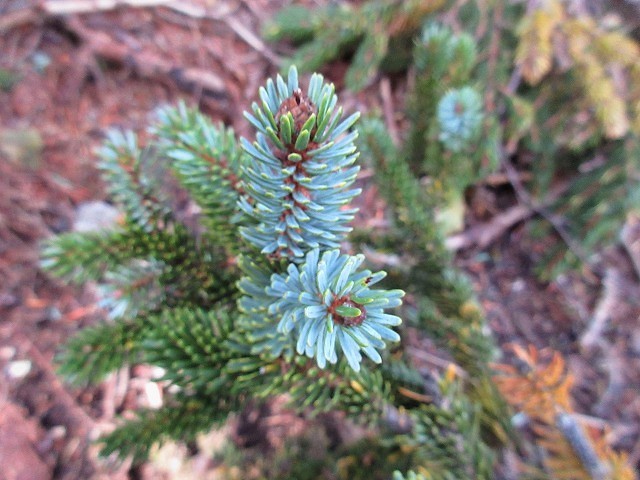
point(232, 310)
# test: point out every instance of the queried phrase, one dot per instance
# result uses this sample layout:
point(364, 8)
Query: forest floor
point(65, 79)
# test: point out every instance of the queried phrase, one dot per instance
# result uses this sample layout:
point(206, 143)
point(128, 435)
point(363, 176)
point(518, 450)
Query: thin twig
point(53, 8)
point(614, 364)
point(611, 296)
point(387, 108)
point(483, 235)
point(252, 40)
point(146, 64)
point(437, 361)
point(86, 427)
point(630, 238)
point(582, 446)
point(555, 221)
point(67, 7)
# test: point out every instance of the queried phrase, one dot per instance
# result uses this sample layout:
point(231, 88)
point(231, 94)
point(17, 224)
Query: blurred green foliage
point(560, 96)
point(543, 94)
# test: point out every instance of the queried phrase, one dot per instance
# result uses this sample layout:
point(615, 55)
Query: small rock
point(40, 61)
point(55, 434)
point(53, 314)
point(95, 216)
point(18, 369)
point(153, 395)
point(518, 285)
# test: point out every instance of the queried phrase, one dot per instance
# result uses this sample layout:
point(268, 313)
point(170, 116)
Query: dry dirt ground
point(65, 79)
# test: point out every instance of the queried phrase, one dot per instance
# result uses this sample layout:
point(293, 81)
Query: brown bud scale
point(347, 321)
point(300, 106)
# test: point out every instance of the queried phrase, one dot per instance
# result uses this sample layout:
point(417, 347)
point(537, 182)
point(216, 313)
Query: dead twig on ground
point(388, 109)
point(498, 179)
point(66, 7)
point(56, 8)
point(437, 361)
point(630, 238)
point(611, 296)
point(252, 40)
point(542, 209)
point(485, 234)
point(146, 64)
point(86, 426)
point(50, 8)
point(613, 364)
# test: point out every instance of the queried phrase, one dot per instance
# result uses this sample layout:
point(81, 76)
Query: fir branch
point(365, 395)
point(462, 335)
point(448, 438)
point(331, 31)
point(193, 273)
point(185, 418)
point(207, 161)
point(257, 327)
point(362, 395)
point(413, 210)
point(98, 350)
point(368, 57)
point(447, 307)
point(190, 344)
point(136, 270)
point(274, 308)
point(410, 384)
point(300, 296)
point(83, 257)
point(126, 170)
point(131, 288)
point(445, 310)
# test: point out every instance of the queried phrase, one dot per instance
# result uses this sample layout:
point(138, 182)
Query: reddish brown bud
point(300, 106)
point(347, 321)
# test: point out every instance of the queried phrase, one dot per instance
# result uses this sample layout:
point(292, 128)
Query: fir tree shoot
point(302, 169)
point(296, 191)
point(460, 118)
point(328, 303)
